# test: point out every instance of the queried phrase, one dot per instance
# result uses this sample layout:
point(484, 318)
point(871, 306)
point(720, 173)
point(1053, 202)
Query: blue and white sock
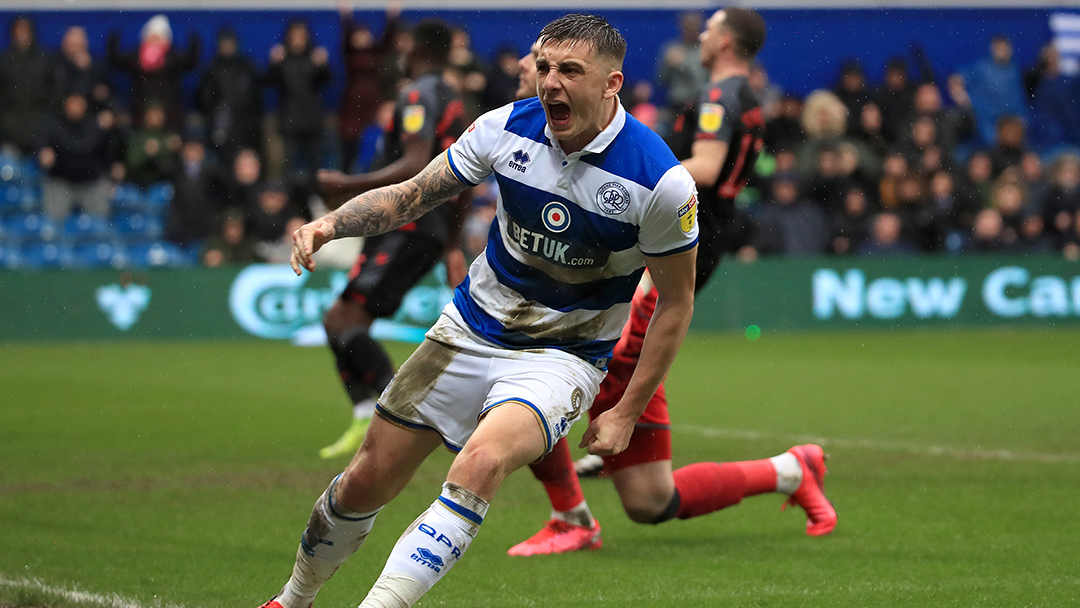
point(333, 534)
point(428, 548)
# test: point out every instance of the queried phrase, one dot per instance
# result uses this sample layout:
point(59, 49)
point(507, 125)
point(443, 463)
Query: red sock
point(556, 472)
point(705, 487)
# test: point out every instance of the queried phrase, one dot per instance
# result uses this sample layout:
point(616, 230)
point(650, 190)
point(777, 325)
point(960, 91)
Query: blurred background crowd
point(108, 160)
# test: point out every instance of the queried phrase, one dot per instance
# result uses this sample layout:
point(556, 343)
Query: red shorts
point(651, 440)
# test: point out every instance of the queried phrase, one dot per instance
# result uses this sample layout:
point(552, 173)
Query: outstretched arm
point(378, 211)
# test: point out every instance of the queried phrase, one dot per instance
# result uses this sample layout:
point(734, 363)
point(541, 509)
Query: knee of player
point(642, 514)
point(480, 465)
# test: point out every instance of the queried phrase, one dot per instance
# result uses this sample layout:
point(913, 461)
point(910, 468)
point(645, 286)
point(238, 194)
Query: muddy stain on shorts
point(414, 381)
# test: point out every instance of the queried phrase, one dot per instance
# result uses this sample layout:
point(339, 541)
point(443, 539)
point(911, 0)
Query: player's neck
point(728, 67)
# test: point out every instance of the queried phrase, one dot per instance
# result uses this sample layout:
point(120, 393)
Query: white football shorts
point(454, 377)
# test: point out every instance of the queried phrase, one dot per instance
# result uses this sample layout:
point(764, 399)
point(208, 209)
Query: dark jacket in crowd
point(84, 151)
point(299, 82)
point(229, 95)
point(29, 92)
point(193, 213)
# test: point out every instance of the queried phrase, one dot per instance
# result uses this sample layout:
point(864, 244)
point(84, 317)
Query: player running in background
point(717, 138)
point(518, 355)
point(428, 117)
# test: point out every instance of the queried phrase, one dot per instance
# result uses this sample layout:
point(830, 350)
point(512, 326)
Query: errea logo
point(521, 158)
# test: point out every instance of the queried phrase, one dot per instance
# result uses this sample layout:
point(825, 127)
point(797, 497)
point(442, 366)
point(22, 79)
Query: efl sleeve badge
point(412, 119)
point(710, 117)
point(688, 214)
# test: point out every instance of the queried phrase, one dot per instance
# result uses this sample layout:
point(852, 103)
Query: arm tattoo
point(384, 209)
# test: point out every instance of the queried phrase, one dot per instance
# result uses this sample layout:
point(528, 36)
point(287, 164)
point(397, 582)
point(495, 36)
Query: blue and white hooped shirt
point(567, 247)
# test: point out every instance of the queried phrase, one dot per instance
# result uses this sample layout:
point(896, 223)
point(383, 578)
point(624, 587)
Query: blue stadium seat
point(82, 228)
point(128, 198)
point(30, 171)
point(30, 227)
point(43, 255)
point(134, 227)
point(10, 168)
point(154, 254)
point(9, 256)
point(19, 198)
point(158, 197)
point(95, 255)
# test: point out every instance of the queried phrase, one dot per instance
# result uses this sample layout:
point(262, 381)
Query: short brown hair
point(747, 28)
point(592, 29)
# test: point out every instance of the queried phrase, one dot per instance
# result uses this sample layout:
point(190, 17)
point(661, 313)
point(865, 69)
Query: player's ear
point(614, 84)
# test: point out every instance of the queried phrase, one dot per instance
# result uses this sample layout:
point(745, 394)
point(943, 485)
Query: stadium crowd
point(983, 160)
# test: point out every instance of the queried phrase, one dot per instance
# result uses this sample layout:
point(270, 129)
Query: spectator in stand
point(852, 92)
point(893, 169)
point(1009, 199)
point(1031, 174)
point(953, 124)
point(28, 87)
point(468, 72)
point(153, 150)
point(242, 187)
point(157, 69)
point(924, 224)
point(272, 211)
point(785, 131)
point(363, 90)
point(986, 233)
point(851, 225)
point(1062, 200)
point(958, 207)
point(920, 139)
point(394, 64)
point(789, 223)
point(193, 212)
point(679, 71)
point(995, 88)
point(77, 153)
point(896, 98)
point(502, 82)
point(1033, 237)
point(79, 73)
point(299, 71)
point(1055, 116)
point(1008, 150)
point(826, 185)
point(229, 96)
point(978, 176)
point(886, 238)
point(231, 245)
point(869, 129)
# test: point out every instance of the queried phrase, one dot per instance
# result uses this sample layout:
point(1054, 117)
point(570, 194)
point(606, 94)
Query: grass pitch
point(182, 474)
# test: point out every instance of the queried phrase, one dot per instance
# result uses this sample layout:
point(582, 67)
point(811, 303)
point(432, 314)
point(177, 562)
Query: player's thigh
point(389, 266)
point(384, 464)
point(344, 314)
point(506, 439)
point(645, 489)
point(555, 386)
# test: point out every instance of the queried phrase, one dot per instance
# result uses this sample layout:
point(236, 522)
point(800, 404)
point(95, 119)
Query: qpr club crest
point(612, 198)
point(556, 216)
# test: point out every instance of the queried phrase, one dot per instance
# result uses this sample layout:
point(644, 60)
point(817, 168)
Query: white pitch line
point(79, 597)
point(887, 446)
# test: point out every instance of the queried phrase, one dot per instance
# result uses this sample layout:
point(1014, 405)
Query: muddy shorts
point(454, 378)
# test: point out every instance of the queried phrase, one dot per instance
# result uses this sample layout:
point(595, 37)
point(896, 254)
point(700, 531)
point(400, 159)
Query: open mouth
point(559, 112)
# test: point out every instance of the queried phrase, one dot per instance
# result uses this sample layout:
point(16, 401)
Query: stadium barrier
point(269, 301)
